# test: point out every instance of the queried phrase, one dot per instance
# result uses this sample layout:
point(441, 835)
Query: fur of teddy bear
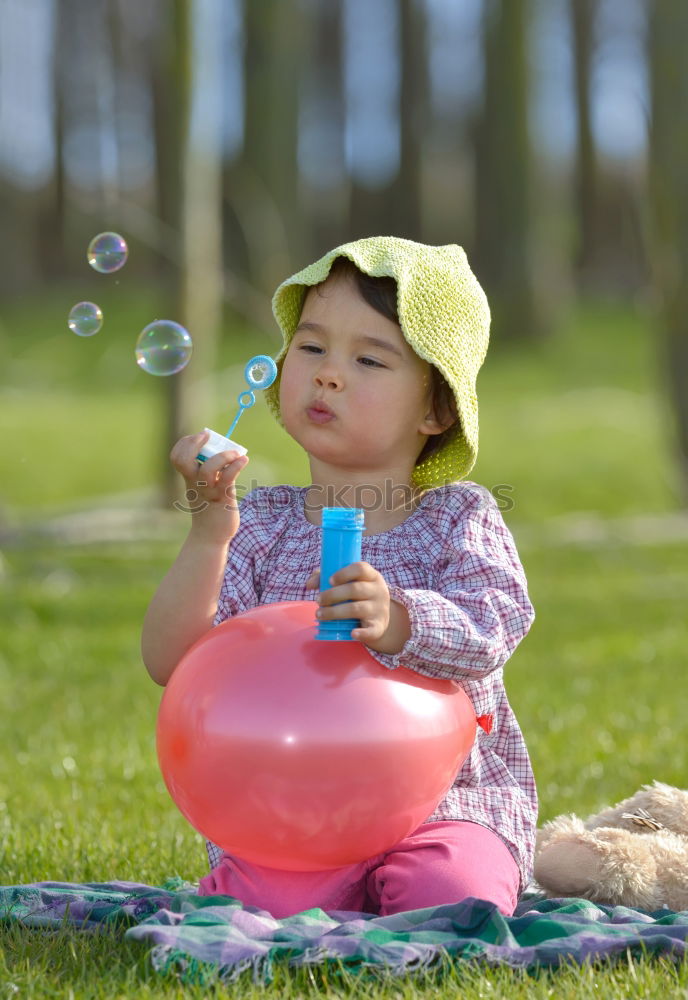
point(632, 854)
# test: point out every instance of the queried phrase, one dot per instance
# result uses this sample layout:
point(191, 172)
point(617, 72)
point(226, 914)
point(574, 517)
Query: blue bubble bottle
point(342, 531)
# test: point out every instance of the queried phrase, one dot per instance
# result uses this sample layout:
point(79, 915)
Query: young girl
point(383, 339)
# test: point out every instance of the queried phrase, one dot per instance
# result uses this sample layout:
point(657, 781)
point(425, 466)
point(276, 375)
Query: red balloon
point(303, 755)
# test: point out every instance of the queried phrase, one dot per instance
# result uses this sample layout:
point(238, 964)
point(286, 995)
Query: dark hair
point(381, 294)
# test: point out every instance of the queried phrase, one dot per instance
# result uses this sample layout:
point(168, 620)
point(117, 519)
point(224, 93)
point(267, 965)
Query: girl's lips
point(319, 416)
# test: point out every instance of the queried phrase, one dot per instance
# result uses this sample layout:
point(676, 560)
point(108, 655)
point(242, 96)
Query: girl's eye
point(366, 362)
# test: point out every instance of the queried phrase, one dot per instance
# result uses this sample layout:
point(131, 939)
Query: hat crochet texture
point(444, 316)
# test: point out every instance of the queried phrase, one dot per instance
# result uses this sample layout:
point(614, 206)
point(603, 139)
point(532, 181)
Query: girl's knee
point(445, 867)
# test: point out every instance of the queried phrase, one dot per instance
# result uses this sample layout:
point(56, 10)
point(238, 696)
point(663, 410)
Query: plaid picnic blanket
point(199, 936)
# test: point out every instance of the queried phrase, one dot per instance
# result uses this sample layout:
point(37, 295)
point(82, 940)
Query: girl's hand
point(384, 623)
point(210, 487)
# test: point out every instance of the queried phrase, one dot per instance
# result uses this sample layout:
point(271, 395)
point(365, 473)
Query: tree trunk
point(172, 107)
point(668, 44)
point(504, 252)
point(328, 193)
point(413, 117)
point(170, 85)
point(201, 229)
point(267, 183)
point(52, 245)
point(582, 16)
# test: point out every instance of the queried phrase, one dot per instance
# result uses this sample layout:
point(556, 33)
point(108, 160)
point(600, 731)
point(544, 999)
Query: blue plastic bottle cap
point(346, 518)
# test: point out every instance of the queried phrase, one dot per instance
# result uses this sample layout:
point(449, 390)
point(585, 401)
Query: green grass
point(579, 422)
point(573, 425)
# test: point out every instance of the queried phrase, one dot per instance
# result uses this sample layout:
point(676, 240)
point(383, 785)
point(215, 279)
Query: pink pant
point(439, 863)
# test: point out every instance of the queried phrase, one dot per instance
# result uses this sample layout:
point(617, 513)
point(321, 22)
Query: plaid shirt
point(453, 565)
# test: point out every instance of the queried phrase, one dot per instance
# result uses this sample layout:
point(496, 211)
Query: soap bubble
point(85, 319)
point(107, 252)
point(163, 348)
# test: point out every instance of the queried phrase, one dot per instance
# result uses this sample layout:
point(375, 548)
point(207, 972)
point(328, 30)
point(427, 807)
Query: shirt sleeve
point(470, 624)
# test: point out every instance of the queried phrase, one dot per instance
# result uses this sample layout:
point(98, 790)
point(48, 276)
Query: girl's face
point(353, 393)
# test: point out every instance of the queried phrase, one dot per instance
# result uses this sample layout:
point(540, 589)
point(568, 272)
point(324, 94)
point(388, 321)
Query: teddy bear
point(632, 854)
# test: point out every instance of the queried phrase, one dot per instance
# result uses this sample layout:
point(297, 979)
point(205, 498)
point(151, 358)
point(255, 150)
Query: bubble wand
point(260, 372)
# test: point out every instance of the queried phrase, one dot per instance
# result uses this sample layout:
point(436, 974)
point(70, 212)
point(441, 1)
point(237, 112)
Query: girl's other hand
point(367, 598)
point(210, 487)
point(385, 625)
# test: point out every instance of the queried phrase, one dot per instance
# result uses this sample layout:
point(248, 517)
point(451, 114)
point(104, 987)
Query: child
point(383, 340)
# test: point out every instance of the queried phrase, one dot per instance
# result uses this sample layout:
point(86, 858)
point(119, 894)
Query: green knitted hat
point(444, 316)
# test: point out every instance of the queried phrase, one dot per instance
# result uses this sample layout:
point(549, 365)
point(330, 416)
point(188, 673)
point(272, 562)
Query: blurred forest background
point(230, 141)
